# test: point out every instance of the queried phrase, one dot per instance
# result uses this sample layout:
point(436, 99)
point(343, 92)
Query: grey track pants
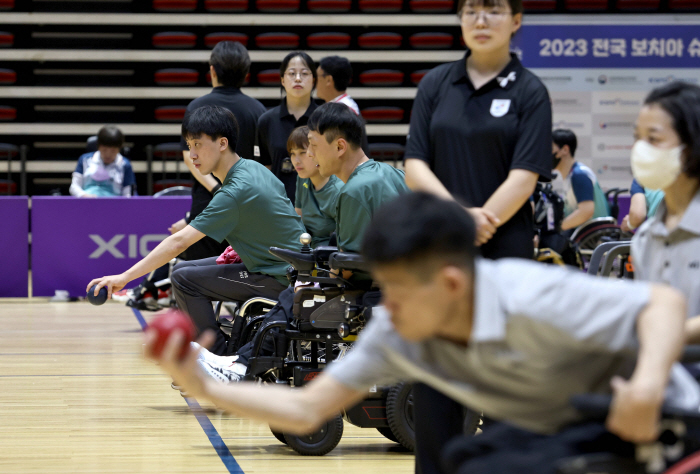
point(199, 282)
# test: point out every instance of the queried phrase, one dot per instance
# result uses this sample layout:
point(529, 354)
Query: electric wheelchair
point(327, 317)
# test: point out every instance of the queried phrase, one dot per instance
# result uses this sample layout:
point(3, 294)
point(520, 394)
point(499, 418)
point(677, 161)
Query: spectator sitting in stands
point(334, 76)
point(104, 173)
point(643, 205)
point(584, 200)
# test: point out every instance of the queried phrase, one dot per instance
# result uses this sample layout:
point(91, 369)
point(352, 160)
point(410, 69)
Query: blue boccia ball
point(100, 298)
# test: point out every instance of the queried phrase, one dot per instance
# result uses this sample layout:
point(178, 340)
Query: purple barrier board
point(14, 246)
point(75, 240)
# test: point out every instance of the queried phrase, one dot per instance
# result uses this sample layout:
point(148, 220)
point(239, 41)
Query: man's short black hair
point(211, 120)
point(681, 101)
point(333, 120)
point(110, 136)
point(421, 229)
point(339, 69)
point(564, 136)
point(231, 63)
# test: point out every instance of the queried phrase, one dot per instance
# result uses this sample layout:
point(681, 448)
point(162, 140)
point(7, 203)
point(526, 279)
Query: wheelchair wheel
point(399, 414)
point(320, 442)
point(388, 434)
point(279, 435)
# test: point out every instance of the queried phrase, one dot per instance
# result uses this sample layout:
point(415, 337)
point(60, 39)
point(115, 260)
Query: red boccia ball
point(164, 326)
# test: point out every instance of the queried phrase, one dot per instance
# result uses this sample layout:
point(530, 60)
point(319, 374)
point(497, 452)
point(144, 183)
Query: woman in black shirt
point(480, 132)
point(298, 77)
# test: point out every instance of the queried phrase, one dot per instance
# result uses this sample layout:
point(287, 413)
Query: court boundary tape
point(207, 426)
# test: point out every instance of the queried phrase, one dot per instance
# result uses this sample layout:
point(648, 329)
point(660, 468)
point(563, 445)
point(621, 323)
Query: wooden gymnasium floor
point(76, 396)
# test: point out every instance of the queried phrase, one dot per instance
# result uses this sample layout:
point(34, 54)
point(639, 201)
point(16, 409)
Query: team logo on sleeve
point(500, 107)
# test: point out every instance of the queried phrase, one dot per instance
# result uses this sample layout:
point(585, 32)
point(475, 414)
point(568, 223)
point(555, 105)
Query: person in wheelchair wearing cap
point(480, 332)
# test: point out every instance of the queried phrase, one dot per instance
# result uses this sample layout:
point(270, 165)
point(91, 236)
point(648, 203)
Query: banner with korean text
point(599, 74)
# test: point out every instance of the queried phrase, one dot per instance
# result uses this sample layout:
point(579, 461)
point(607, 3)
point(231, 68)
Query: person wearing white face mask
point(666, 156)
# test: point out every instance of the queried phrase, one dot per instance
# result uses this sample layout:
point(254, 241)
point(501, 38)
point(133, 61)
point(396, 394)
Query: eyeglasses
point(292, 74)
point(491, 16)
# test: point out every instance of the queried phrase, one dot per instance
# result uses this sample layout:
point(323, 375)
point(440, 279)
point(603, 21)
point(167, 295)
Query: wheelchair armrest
point(323, 254)
point(596, 406)
point(349, 261)
point(302, 262)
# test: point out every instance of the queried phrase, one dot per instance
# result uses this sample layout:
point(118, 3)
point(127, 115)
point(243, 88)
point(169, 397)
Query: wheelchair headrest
point(349, 261)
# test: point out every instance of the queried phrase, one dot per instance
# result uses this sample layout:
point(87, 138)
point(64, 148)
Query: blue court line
point(214, 438)
point(204, 421)
point(139, 318)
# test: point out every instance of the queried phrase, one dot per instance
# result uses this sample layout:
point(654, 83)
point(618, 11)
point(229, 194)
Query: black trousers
point(199, 282)
point(505, 449)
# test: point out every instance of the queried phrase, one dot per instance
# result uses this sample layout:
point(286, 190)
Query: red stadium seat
point(431, 6)
point(170, 113)
point(8, 152)
point(328, 41)
point(7, 77)
point(684, 4)
point(6, 39)
point(386, 151)
point(277, 41)
point(329, 6)
point(381, 6)
point(174, 5)
point(7, 113)
point(212, 39)
point(176, 77)
point(382, 114)
point(269, 77)
point(7, 4)
point(586, 4)
point(169, 152)
point(174, 39)
point(539, 5)
point(379, 41)
point(432, 40)
point(381, 77)
point(416, 76)
point(226, 6)
point(277, 6)
point(638, 4)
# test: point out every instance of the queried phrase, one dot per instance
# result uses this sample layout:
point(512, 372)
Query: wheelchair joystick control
point(305, 240)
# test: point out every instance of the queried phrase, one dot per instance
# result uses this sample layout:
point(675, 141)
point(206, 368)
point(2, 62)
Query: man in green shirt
point(335, 138)
point(251, 211)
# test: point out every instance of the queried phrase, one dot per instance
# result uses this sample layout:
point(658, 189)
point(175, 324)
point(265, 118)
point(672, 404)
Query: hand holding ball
point(100, 298)
point(164, 326)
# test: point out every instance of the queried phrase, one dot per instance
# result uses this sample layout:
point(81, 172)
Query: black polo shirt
point(247, 111)
point(274, 128)
point(472, 139)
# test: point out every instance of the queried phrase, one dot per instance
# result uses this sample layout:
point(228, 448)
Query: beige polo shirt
point(671, 257)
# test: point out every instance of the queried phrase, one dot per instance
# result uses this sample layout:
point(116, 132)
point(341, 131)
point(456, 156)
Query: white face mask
point(653, 167)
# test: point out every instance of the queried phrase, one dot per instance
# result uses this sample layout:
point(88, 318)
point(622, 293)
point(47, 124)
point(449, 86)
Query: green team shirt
point(318, 208)
point(252, 212)
point(369, 186)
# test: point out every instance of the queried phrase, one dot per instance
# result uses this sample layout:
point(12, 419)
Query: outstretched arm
point(636, 406)
point(297, 411)
point(168, 249)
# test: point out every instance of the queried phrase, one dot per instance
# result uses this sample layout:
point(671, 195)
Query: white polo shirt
point(540, 335)
point(344, 98)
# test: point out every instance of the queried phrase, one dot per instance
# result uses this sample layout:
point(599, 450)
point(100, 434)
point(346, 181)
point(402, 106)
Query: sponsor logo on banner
point(612, 146)
point(137, 246)
point(619, 102)
point(614, 80)
point(670, 78)
point(579, 123)
point(614, 124)
point(613, 172)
